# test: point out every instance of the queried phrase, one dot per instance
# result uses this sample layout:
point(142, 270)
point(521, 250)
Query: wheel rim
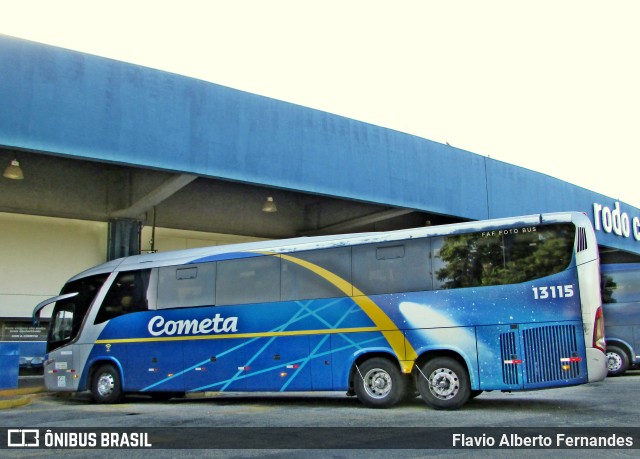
point(105, 384)
point(444, 383)
point(377, 383)
point(614, 361)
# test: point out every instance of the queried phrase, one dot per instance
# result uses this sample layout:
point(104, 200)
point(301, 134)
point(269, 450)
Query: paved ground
point(607, 407)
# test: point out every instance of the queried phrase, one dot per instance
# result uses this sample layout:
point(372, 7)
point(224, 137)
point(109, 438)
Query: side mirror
point(35, 318)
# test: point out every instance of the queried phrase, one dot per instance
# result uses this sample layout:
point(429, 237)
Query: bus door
point(61, 362)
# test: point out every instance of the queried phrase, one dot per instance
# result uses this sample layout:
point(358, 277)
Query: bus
point(621, 308)
point(443, 312)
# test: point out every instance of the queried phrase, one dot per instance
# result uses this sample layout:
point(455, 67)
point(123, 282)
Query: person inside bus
point(126, 304)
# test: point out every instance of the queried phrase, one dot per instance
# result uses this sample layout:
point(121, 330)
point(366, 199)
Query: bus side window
point(392, 267)
point(620, 287)
point(248, 280)
point(186, 286)
point(468, 260)
point(301, 283)
point(127, 294)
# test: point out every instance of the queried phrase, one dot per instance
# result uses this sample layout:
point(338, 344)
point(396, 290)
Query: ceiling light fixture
point(13, 171)
point(269, 205)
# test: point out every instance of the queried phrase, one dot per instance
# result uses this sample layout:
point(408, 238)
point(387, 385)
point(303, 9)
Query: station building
point(104, 159)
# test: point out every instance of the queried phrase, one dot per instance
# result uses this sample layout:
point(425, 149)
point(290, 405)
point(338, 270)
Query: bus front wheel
point(379, 383)
point(617, 361)
point(444, 384)
point(106, 386)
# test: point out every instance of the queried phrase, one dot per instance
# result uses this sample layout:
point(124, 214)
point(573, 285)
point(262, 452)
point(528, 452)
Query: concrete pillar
point(124, 238)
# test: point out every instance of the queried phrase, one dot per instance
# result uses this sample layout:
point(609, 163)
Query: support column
point(124, 238)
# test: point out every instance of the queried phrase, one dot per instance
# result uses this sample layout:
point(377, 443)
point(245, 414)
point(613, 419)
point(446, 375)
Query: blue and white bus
point(445, 311)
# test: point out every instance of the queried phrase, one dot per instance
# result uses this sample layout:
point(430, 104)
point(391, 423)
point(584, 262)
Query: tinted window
point(300, 282)
point(621, 287)
point(392, 267)
point(187, 285)
point(127, 294)
point(67, 315)
point(248, 280)
point(501, 257)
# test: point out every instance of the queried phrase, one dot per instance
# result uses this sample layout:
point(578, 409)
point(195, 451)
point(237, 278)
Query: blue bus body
point(312, 344)
point(326, 327)
point(621, 308)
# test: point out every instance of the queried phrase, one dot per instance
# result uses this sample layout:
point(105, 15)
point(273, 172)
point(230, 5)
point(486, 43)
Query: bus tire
point(617, 361)
point(444, 383)
point(106, 386)
point(379, 383)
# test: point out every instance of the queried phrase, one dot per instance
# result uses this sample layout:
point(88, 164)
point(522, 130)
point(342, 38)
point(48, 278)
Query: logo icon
point(23, 438)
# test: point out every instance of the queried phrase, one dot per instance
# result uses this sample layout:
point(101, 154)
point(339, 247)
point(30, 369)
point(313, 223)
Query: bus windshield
point(69, 313)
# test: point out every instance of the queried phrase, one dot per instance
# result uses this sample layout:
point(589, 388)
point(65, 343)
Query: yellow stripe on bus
point(332, 331)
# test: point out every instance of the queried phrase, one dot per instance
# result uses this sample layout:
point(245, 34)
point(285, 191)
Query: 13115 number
point(553, 291)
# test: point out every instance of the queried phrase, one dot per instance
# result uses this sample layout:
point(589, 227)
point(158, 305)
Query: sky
point(549, 85)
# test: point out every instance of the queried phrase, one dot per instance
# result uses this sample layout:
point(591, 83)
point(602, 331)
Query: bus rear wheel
point(379, 383)
point(617, 361)
point(105, 385)
point(444, 384)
